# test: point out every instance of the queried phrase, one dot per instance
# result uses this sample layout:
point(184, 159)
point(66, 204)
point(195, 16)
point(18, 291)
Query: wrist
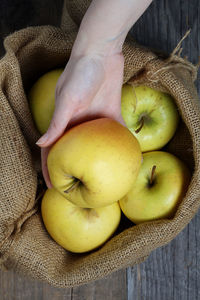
point(105, 25)
point(91, 44)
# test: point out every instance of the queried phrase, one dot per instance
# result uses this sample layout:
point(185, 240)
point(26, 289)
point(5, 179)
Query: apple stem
point(141, 125)
point(152, 175)
point(72, 187)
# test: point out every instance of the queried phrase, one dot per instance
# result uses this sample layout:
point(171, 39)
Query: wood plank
point(17, 287)
point(171, 272)
point(193, 260)
point(164, 24)
point(110, 287)
point(15, 15)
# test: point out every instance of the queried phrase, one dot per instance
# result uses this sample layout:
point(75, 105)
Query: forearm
point(106, 24)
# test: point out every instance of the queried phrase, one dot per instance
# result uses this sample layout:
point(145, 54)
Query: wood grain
point(170, 272)
point(111, 287)
point(16, 287)
point(18, 14)
point(164, 24)
point(173, 271)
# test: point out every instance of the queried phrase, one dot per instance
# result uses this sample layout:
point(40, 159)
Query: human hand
point(89, 88)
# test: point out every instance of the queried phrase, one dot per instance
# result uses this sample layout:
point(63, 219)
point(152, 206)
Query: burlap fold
point(25, 245)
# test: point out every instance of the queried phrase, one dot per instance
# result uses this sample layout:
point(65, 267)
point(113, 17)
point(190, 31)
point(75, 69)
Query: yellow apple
point(95, 163)
point(42, 99)
point(151, 115)
point(161, 184)
point(75, 228)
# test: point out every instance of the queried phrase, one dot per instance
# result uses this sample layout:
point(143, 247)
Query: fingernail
point(49, 185)
point(42, 140)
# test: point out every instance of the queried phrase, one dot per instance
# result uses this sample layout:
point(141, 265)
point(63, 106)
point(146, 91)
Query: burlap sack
point(25, 245)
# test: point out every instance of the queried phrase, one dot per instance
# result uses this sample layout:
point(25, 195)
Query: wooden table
point(173, 271)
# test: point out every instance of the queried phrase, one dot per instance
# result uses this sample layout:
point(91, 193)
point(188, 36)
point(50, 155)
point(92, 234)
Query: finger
point(60, 119)
point(114, 112)
point(121, 120)
point(44, 155)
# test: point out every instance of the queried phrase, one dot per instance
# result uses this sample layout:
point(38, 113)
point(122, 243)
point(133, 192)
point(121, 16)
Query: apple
point(150, 115)
point(95, 163)
point(42, 99)
point(162, 182)
point(75, 228)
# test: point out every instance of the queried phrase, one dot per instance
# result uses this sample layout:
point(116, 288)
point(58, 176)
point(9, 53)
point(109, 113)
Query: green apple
point(150, 115)
point(95, 163)
point(160, 186)
point(42, 99)
point(75, 228)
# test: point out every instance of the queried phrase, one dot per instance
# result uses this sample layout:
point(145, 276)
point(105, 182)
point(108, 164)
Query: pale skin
point(91, 83)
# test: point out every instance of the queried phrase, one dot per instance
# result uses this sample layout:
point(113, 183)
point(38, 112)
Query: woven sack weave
point(25, 245)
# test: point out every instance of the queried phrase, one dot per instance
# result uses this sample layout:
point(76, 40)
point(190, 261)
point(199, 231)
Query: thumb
point(60, 119)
